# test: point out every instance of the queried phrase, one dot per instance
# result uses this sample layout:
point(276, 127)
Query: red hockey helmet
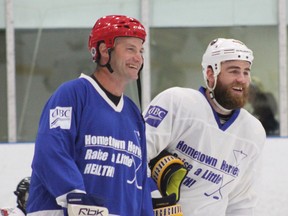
point(107, 28)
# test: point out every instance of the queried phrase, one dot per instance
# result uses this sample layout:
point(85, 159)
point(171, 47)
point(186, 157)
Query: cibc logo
point(155, 115)
point(60, 117)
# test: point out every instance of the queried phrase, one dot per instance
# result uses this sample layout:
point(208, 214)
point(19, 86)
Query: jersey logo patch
point(60, 117)
point(155, 115)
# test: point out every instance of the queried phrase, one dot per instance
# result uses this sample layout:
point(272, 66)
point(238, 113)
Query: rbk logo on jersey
point(60, 117)
point(155, 115)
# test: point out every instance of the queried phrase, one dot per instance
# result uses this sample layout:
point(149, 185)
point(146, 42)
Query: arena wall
point(16, 164)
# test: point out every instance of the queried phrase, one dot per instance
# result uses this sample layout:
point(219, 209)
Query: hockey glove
point(84, 204)
point(166, 206)
point(168, 172)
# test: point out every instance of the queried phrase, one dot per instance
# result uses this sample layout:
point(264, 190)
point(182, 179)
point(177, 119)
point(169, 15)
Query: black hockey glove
point(169, 173)
point(166, 206)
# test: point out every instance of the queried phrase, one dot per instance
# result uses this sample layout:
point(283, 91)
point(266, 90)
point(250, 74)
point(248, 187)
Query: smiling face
point(233, 82)
point(127, 57)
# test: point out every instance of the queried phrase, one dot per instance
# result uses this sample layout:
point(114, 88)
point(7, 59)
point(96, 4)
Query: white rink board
point(274, 187)
point(15, 164)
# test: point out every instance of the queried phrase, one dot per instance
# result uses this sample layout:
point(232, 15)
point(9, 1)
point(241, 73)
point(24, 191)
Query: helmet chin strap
point(224, 110)
point(212, 96)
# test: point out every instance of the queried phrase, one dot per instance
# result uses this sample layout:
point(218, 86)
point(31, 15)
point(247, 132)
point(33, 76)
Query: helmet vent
point(216, 53)
point(228, 51)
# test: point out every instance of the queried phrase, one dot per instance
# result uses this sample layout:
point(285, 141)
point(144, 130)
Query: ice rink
point(16, 160)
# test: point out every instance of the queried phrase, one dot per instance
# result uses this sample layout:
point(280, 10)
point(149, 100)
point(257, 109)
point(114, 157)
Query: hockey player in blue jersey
point(90, 150)
point(218, 142)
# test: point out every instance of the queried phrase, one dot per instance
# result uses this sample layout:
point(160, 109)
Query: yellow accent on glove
point(175, 182)
point(174, 210)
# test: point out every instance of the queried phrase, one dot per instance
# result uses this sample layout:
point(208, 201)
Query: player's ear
point(103, 50)
point(210, 76)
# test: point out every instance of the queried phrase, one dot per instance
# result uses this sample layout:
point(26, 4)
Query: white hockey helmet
point(222, 49)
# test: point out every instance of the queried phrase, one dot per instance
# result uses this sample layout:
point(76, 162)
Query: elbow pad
point(168, 172)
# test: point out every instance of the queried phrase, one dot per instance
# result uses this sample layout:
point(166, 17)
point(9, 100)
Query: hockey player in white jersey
point(90, 152)
point(22, 194)
point(219, 143)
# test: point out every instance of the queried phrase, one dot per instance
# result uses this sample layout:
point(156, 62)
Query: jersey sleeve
point(54, 158)
point(159, 118)
point(147, 208)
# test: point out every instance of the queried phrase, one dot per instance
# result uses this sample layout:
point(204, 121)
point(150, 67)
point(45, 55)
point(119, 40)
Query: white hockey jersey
point(11, 212)
point(223, 160)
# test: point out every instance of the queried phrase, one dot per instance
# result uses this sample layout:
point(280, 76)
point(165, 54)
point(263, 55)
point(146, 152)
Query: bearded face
point(232, 96)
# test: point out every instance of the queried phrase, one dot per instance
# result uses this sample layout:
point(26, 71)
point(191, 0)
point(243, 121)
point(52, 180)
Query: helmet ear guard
point(220, 50)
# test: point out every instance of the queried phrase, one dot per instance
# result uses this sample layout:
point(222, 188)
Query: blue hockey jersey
point(85, 143)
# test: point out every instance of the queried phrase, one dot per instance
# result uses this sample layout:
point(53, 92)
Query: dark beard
point(224, 97)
